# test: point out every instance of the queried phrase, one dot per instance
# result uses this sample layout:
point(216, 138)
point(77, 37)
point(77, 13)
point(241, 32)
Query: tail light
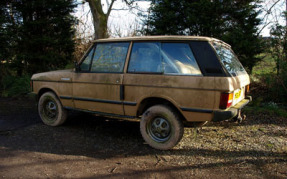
point(247, 89)
point(226, 100)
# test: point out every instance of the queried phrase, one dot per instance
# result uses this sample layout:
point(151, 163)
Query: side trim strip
point(100, 100)
point(130, 103)
point(197, 110)
point(101, 113)
point(97, 100)
point(66, 97)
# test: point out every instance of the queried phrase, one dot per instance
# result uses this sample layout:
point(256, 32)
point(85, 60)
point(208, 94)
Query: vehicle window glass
point(145, 58)
point(85, 65)
point(229, 59)
point(110, 57)
point(179, 59)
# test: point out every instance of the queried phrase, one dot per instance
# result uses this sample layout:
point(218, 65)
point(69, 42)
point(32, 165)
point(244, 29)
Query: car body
point(198, 79)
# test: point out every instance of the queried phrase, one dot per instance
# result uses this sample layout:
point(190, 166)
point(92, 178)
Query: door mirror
point(77, 67)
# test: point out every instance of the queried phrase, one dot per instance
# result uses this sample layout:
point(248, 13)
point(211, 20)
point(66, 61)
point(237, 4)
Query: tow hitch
point(239, 118)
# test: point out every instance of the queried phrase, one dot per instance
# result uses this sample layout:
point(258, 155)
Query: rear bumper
point(230, 113)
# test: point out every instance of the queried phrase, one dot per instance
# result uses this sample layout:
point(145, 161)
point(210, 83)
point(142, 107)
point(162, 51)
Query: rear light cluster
point(226, 100)
point(247, 89)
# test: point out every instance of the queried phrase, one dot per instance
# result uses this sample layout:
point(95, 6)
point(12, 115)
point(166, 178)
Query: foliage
point(42, 34)
point(35, 36)
point(15, 86)
point(269, 108)
point(278, 51)
point(235, 22)
point(278, 46)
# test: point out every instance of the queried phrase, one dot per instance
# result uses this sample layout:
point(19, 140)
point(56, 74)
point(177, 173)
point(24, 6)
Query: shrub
point(13, 86)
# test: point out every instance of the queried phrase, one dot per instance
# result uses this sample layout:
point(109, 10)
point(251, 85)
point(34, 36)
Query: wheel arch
point(44, 90)
point(151, 101)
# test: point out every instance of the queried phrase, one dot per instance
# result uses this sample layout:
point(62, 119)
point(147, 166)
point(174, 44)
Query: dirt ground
point(96, 147)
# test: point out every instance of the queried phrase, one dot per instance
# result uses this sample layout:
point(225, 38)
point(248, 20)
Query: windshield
point(228, 59)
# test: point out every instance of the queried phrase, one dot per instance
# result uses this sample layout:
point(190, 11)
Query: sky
point(273, 16)
point(123, 21)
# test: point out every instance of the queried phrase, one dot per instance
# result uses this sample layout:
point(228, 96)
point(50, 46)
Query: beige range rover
point(167, 82)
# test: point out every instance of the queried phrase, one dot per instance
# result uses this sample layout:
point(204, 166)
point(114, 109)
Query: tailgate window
point(229, 60)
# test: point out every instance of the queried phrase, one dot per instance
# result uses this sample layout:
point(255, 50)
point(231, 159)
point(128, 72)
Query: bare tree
point(100, 18)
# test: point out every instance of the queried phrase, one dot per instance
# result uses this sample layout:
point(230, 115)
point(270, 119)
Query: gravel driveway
point(95, 147)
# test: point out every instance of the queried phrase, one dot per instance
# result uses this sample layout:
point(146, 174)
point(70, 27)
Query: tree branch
point(110, 7)
point(263, 28)
point(269, 10)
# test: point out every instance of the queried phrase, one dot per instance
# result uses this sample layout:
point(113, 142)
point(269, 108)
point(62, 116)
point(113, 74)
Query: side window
point(145, 58)
point(85, 65)
point(110, 57)
point(179, 59)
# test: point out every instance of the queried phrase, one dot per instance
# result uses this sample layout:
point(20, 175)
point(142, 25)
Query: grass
point(267, 109)
point(265, 67)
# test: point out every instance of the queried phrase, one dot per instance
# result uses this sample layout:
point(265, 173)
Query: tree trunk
point(100, 19)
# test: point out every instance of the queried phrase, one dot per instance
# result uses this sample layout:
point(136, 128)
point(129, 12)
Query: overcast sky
point(123, 22)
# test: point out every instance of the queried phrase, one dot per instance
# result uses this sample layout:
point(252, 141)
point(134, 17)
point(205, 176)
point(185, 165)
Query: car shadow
point(102, 138)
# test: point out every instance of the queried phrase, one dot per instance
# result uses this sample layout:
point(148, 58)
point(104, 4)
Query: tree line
point(39, 35)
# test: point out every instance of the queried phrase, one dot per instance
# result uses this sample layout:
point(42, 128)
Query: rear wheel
point(161, 127)
point(51, 110)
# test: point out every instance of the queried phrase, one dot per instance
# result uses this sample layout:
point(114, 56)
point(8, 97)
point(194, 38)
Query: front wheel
point(51, 110)
point(161, 127)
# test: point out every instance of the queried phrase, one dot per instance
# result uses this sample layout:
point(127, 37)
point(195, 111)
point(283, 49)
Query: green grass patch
point(270, 109)
point(265, 67)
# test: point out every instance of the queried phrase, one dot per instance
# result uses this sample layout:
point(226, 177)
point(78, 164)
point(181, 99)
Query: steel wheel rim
point(50, 109)
point(159, 129)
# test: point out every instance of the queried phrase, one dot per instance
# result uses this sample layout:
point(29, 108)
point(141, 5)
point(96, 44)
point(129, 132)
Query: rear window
point(229, 60)
point(179, 59)
point(163, 58)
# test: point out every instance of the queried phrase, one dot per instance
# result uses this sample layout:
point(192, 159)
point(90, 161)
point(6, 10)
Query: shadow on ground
point(103, 138)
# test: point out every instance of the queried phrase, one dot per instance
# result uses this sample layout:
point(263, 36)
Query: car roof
point(166, 37)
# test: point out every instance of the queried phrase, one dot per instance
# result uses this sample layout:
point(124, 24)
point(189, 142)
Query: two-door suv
point(165, 81)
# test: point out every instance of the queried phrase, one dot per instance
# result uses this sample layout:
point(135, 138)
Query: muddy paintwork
point(99, 86)
point(123, 93)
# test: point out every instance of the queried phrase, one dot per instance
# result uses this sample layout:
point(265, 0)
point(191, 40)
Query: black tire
point(51, 110)
point(161, 127)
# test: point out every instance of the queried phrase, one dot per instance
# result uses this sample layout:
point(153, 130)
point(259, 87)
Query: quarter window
point(110, 57)
point(85, 65)
point(179, 59)
point(145, 58)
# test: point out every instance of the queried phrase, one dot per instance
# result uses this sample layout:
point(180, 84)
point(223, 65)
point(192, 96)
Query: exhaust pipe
point(239, 118)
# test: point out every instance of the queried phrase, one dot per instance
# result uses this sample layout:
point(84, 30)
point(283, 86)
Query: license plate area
point(237, 94)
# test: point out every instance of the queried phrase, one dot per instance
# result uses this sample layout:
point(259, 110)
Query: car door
point(97, 85)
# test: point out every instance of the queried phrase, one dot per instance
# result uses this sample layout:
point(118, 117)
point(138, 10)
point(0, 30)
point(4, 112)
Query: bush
point(13, 86)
